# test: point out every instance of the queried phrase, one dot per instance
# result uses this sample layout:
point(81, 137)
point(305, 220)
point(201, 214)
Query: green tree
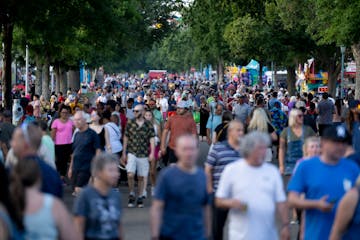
point(297, 15)
point(337, 22)
point(175, 53)
point(207, 20)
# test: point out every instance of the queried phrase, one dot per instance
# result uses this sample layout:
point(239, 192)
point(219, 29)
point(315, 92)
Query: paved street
point(136, 220)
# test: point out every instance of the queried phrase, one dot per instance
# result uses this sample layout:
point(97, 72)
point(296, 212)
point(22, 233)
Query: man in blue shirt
point(324, 180)
point(180, 209)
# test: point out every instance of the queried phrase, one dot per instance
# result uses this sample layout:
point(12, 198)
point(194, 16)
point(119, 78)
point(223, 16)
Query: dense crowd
point(269, 153)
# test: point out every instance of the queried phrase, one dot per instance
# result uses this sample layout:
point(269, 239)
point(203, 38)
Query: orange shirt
point(179, 125)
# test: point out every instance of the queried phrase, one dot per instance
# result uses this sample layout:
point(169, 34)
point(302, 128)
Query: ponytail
point(26, 173)
point(17, 195)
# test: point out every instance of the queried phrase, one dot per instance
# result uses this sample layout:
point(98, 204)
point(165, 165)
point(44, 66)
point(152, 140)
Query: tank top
point(41, 224)
point(353, 232)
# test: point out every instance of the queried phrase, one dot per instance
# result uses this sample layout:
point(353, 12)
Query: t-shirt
point(6, 131)
point(179, 125)
point(326, 110)
point(261, 188)
point(130, 114)
point(220, 155)
point(164, 104)
point(213, 122)
point(184, 195)
point(317, 179)
point(84, 149)
point(102, 213)
point(114, 137)
point(356, 136)
point(47, 150)
point(242, 112)
point(63, 131)
point(158, 116)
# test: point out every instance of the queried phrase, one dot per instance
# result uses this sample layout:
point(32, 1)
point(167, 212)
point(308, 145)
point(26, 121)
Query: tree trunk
point(356, 52)
point(46, 79)
point(61, 80)
point(38, 75)
point(6, 81)
point(64, 81)
point(333, 70)
point(74, 79)
point(220, 70)
point(57, 77)
point(291, 80)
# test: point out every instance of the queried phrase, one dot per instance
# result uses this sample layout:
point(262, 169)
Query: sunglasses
point(136, 111)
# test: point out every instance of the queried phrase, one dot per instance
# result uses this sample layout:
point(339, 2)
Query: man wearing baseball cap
point(324, 180)
point(177, 125)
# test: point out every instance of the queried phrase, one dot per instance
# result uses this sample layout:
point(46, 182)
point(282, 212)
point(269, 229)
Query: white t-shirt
point(260, 188)
point(102, 99)
point(164, 104)
point(114, 137)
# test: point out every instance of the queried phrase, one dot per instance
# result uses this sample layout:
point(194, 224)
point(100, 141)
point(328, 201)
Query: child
point(311, 148)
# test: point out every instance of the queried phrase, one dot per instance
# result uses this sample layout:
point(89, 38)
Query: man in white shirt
point(253, 191)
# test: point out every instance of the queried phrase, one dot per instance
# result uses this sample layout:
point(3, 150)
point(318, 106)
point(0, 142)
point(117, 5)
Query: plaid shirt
point(139, 138)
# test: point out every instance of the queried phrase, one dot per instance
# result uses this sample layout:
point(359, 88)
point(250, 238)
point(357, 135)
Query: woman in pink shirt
point(61, 133)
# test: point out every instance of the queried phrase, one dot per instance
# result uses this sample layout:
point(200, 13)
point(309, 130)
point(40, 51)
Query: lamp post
point(342, 49)
point(27, 70)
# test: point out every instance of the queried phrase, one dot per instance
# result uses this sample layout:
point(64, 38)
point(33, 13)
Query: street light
point(342, 49)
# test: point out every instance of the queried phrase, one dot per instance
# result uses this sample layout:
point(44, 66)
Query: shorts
point(139, 165)
point(172, 158)
point(80, 178)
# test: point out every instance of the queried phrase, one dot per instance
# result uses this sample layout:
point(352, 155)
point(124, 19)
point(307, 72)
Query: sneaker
point(131, 202)
point(293, 222)
point(140, 203)
point(144, 195)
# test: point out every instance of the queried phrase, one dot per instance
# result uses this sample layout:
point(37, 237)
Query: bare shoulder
point(58, 207)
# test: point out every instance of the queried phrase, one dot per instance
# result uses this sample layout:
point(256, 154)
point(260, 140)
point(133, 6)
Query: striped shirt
point(219, 156)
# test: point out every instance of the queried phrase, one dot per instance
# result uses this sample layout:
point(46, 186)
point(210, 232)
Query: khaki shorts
point(139, 165)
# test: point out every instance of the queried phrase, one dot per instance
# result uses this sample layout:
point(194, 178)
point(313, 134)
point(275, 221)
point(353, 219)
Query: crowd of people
point(270, 154)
